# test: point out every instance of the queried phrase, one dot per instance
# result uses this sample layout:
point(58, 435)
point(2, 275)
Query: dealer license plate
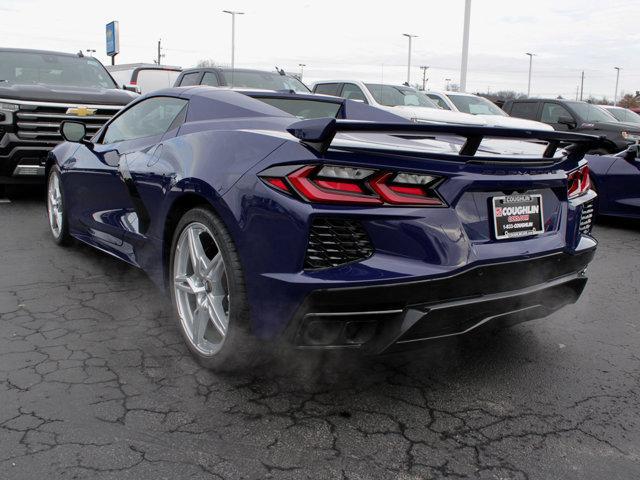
point(517, 216)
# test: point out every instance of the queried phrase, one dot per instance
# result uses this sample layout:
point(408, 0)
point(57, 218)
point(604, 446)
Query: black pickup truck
point(40, 89)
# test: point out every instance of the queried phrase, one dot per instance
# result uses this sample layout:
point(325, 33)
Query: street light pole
point(615, 95)
point(531, 55)
point(424, 77)
point(233, 39)
point(447, 80)
point(410, 37)
point(465, 46)
point(90, 51)
point(302, 65)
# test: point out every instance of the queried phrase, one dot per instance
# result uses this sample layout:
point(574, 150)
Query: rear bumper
point(385, 318)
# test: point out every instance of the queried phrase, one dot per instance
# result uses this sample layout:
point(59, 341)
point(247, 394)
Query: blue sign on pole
point(113, 39)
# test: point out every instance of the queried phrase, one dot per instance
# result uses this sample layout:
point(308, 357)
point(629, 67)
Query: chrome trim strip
point(67, 105)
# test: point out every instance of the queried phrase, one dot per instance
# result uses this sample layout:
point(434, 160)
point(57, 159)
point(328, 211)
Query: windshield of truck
point(32, 68)
point(591, 113)
point(475, 105)
point(264, 81)
point(393, 96)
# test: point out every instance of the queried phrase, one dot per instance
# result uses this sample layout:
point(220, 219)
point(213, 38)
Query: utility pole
point(302, 65)
point(424, 77)
point(410, 37)
point(531, 55)
point(615, 95)
point(581, 84)
point(233, 39)
point(465, 46)
point(160, 54)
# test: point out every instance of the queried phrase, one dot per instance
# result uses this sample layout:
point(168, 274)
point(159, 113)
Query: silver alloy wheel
point(54, 205)
point(201, 289)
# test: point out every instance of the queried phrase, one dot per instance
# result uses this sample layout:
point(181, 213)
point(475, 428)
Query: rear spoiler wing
point(318, 134)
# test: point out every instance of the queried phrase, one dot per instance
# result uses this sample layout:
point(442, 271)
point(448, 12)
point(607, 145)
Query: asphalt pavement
point(95, 383)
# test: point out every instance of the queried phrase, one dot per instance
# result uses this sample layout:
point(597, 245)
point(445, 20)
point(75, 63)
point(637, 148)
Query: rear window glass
point(304, 109)
point(524, 110)
point(327, 89)
point(190, 79)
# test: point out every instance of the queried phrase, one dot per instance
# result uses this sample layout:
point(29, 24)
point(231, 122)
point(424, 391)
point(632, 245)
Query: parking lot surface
point(95, 383)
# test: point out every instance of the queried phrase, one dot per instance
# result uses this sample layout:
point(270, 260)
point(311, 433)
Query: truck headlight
point(632, 137)
point(9, 107)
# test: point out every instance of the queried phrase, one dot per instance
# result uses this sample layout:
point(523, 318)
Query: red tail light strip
point(311, 191)
point(390, 194)
point(579, 182)
point(353, 185)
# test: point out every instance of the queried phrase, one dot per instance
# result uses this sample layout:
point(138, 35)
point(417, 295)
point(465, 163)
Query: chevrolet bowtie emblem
point(81, 111)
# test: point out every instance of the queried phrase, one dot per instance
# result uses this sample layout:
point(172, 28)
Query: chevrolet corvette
point(326, 223)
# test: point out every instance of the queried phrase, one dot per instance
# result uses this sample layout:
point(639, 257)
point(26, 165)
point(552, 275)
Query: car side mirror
point(73, 131)
point(567, 120)
point(131, 88)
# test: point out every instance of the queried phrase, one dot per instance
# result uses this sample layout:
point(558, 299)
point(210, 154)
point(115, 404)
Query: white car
point(403, 101)
point(475, 105)
point(144, 77)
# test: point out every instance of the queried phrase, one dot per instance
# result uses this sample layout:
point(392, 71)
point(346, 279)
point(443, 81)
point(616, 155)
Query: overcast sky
point(361, 40)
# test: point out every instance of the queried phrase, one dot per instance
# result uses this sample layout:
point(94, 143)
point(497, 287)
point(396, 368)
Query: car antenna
point(80, 54)
point(280, 71)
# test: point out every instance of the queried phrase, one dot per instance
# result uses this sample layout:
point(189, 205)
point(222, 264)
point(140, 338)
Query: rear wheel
point(208, 292)
point(56, 209)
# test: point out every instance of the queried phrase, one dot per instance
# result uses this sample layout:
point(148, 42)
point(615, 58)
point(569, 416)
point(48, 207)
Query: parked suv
point(401, 100)
point(40, 89)
point(575, 116)
point(240, 78)
point(144, 77)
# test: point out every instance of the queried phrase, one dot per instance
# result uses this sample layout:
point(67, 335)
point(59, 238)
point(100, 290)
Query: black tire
point(62, 238)
point(239, 349)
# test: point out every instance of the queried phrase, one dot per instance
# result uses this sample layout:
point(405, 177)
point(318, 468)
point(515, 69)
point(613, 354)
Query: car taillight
point(579, 182)
point(353, 185)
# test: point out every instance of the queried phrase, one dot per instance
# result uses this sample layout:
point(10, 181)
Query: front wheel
point(208, 292)
point(56, 209)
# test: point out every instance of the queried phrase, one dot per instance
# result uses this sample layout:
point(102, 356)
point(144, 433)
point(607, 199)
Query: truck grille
point(586, 218)
point(334, 242)
point(41, 122)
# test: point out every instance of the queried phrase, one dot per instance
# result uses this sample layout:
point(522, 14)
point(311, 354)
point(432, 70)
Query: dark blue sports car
point(325, 222)
point(616, 178)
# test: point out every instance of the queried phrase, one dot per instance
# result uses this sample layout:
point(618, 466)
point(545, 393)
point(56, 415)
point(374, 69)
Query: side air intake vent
point(586, 219)
point(334, 242)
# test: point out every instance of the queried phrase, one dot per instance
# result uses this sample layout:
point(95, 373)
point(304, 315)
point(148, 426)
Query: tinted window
point(328, 89)
point(190, 79)
point(211, 79)
point(148, 118)
point(439, 101)
point(551, 113)
point(524, 110)
point(303, 108)
point(353, 92)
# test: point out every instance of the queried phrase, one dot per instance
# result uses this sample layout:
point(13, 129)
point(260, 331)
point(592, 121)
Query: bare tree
point(629, 100)
point(206, 62)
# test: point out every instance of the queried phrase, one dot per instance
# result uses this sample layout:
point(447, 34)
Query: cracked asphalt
point(95, 383)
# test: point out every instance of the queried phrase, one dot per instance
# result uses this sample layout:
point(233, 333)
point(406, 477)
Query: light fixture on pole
point(302, 65)
point(465, 46)
point(531, 55)
point(233, 39)
point(448, 80)
point(90, 51)
point(410, 37)
point(615, 95)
